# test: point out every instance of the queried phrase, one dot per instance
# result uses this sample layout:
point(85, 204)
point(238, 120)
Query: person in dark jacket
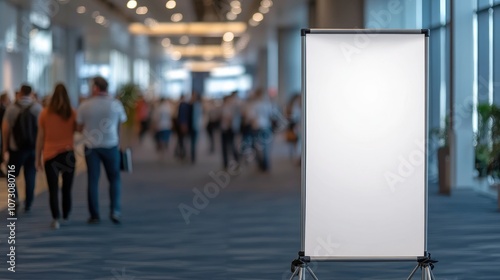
point(4, 103)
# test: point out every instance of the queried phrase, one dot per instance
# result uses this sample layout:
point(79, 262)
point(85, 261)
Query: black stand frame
point(426, 265)
point(300, 265)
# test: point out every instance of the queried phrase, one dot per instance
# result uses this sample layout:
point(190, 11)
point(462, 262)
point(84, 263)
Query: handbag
point(126, 160)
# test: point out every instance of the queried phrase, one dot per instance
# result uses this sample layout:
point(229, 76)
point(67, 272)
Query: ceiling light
point(81, 10)
point(165, 42)
point(184, 40)
point(235, 4)
point(142, 10)
point(266, 3)
point(150, 22)
point(258, 17)
point(253, 22)
point(176, 55)
point(131, 4)
point(95, 14)
point(176, 17)
point(205, 51)
point(236, 11)
point(228, 71)
point(263, 10)
point(202, 66)
point(204, 29)
point(100, 19)
point(63, 1)
point(228, 37)
point(170, 4)
point(231, 16)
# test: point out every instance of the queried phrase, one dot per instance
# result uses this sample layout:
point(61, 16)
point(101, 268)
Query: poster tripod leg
point(426, 264)
point(300, 267)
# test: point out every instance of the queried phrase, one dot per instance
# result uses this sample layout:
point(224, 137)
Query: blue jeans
point(110, 158)
point(262, 139)
point(26, 159)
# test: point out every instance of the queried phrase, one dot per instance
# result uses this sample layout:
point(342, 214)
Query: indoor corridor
point(249, 227)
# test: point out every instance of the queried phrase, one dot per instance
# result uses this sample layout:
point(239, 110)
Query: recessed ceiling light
point(258, 17)
point(81, 10)
point(170, 4)
point(176, 17)
point(184, 40)
point(131, 4)
point(236, 11)
point(235, 4)
point(228, 37)
point(263, 10)
point(165, 42)
point(231, 16)
point(100, 19)
point(266, 3)
point(142, 10)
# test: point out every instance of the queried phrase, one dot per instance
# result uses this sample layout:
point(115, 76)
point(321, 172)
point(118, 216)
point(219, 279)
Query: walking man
point(99, 119)
point(19, 129)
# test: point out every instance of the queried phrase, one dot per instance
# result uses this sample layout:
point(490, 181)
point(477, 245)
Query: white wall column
point(462, 73)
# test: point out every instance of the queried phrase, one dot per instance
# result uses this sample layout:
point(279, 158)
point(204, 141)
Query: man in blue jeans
point(22, 154)
point(99, 119)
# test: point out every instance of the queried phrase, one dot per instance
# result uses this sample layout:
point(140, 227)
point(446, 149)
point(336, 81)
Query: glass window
point(496, 54)
point(141, 73)
point(120, 71)
point(483, 56)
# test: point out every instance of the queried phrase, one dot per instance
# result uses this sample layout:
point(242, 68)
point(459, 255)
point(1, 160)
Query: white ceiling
point(63, 13)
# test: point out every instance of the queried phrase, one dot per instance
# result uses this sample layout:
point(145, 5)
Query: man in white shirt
point(260, 113)
point(99, 119)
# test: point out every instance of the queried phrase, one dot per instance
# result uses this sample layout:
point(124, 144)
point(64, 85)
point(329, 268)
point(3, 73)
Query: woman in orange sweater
point(54, 150)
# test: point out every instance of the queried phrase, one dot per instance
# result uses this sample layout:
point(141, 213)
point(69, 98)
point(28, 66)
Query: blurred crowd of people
point(241, 129)
point(38, 135)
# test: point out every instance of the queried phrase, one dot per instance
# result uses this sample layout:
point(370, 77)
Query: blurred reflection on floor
point(241, 224)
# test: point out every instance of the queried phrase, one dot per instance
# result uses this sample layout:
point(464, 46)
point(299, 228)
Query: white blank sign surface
point(365, 126)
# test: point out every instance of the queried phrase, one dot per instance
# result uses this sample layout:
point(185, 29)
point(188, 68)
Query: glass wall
point(40, 61)
point(120, 71)
point(141, 73)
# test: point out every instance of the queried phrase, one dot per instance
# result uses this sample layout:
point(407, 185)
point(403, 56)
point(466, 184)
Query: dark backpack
point(25, 128)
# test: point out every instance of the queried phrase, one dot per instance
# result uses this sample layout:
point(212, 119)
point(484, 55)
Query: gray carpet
point(247, 230)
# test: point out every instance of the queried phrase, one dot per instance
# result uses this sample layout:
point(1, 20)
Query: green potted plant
point(494, 158)
point(494, 166)
point(482, 139)
point(128, 95)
